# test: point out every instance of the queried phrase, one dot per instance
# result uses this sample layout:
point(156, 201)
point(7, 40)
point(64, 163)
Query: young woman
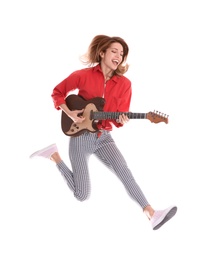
point(104, 77)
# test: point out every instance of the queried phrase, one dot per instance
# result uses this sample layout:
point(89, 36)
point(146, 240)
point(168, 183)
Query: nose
point(119, 56)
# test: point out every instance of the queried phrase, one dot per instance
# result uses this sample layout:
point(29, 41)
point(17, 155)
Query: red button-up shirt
point(90, 83)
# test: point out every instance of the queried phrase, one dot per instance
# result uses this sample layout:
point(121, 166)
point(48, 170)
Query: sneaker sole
point(41, 151)
point(168, 216)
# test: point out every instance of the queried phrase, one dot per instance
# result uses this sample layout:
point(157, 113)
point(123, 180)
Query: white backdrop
point(173, 69)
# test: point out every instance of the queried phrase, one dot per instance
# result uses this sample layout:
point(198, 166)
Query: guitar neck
point(100, 115)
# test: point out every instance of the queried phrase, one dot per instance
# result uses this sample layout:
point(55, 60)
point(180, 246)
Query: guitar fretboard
point(100, 115)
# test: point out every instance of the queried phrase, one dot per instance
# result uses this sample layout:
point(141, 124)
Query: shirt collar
point(98, 68)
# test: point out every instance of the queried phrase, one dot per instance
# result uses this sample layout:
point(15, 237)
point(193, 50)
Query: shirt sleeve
point(123, 103)
point(61, 91)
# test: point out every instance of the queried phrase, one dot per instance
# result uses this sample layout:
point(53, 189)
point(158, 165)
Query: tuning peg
point(160, 114)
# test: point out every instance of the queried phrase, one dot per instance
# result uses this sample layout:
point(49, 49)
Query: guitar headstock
point(157, 117)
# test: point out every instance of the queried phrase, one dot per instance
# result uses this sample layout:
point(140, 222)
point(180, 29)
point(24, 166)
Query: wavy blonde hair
point(99, 44)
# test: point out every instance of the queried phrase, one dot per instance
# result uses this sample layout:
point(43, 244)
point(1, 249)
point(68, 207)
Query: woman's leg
point(109, 154)
point(78, 180)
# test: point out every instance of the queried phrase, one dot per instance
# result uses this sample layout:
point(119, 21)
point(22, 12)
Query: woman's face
point(113, 56)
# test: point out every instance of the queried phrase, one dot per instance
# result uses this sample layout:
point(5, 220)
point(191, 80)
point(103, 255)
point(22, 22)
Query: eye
point(114, 51)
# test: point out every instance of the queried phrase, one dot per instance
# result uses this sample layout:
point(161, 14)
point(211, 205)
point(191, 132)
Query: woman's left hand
point(123, 119)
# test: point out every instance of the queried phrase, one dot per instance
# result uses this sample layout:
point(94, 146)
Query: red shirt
point(90, 83)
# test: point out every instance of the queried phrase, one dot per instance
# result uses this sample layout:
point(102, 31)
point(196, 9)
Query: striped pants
point(104, 147)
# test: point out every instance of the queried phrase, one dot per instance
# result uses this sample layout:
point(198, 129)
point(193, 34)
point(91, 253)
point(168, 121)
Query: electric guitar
point(93, 112)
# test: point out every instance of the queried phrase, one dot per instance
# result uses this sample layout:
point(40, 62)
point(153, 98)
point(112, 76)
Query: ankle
point(149, 211)
point(55, 157)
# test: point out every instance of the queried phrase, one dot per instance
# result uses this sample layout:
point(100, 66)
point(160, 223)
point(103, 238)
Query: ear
point(101, 54)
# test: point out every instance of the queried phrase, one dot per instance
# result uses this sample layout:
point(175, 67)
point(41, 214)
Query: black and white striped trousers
point(104, 147)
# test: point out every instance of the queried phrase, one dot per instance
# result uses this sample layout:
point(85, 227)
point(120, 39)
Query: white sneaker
point(160, 217)
point(45, 152)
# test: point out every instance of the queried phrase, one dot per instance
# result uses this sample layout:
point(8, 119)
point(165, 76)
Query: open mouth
point(115, 62)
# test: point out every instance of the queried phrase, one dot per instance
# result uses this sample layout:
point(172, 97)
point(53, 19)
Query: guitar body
point(75, 102)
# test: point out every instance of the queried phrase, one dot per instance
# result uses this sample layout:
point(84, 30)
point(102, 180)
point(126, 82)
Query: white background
point(173, 68)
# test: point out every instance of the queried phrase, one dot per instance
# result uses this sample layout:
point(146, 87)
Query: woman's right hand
point(76, 115)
